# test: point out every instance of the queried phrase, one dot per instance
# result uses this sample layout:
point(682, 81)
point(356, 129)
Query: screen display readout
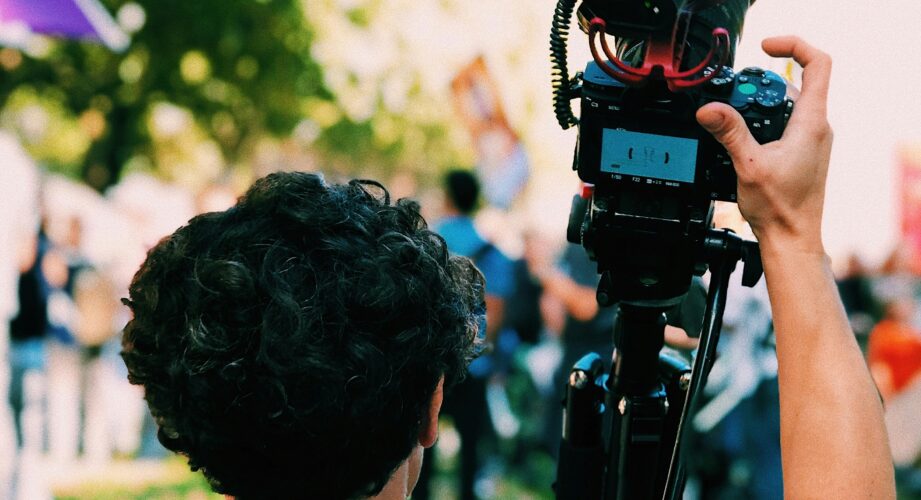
point(648, 155)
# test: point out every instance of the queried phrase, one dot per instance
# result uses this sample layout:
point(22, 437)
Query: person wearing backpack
point(467, 404)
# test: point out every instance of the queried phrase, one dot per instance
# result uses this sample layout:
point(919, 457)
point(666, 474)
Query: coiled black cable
point(562, 84)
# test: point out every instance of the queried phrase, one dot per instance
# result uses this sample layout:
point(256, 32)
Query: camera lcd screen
point(648, 155)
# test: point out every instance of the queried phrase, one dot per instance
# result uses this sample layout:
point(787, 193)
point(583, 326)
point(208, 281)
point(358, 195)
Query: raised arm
point(833, 439)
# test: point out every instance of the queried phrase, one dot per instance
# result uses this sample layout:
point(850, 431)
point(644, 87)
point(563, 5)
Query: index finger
point(816, 73)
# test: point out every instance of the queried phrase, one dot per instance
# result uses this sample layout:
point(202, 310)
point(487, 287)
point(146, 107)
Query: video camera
point(654, 171)
point(652, 175)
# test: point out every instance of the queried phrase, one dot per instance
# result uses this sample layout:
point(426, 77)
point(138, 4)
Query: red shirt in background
point(898, 347)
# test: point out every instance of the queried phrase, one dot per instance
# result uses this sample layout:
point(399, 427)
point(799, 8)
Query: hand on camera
point(782, 184)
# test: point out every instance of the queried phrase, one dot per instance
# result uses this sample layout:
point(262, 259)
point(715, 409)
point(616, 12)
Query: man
point(467, 404)
point(298, 344)
point(295, 345)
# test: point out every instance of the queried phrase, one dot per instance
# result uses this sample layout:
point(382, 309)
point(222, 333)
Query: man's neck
point(398, 486)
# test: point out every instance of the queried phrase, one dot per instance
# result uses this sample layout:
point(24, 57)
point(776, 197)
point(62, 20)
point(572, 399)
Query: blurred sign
point(910, 197)
point(502, 163)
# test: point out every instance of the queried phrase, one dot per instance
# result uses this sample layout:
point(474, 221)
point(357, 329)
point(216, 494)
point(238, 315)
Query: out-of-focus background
point(121, 119)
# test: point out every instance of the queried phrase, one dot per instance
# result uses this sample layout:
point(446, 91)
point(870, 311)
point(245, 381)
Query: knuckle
point(824, 130)
point(728, 134)
point(823, 60)
point(818, 131)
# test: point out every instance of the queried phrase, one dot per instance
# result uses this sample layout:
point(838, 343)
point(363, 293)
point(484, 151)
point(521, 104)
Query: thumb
point(728, 127)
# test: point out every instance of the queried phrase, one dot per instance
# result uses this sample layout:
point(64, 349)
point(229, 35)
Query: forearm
point(579, 301)
point(833, 440)
point(677, 338)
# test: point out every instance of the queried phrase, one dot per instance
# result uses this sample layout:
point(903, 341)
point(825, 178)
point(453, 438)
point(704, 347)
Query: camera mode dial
point(769, 100)
point(723, 82)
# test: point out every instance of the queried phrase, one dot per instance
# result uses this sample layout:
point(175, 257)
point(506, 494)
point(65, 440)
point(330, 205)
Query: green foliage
point(232, 72)
point(240, 66)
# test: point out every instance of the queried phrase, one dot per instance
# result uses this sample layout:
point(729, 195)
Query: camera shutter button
point(753, 71)
point(747, 88)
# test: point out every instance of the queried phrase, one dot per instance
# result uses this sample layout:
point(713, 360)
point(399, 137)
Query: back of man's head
point(291, 345)
point(463, 190)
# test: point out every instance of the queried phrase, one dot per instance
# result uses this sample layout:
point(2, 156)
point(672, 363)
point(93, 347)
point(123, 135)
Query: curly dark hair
point(291, 345)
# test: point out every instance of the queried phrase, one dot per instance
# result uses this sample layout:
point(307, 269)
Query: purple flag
point(85, 19)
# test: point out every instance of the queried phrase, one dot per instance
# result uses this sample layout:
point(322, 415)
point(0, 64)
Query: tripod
point(648, 396)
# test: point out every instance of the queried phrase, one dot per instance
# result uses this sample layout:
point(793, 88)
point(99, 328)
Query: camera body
point(651, 141)
point(655, 174)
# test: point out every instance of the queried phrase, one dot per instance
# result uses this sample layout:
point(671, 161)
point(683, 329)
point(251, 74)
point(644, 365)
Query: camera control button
point(743, 79)
point(747, 88)
point(766, 82)
point(769, 99)
point(721, 85)
point(753, 71)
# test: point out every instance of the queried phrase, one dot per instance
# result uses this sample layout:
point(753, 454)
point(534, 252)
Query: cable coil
point(562, 84)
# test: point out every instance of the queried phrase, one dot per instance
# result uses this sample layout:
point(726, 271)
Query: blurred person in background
point(28, 364)
point(894, 357)
point(894, 352)
point(862, 307)
point(27, 335)
point(570, 283)
point(88, 409)
point(68, 358)
point(522, 315)
point(536, 322)
point(19, 183)
point(897, 279)
point(467, 404)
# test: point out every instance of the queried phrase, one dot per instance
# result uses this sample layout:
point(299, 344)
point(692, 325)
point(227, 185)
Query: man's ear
point(428, 432)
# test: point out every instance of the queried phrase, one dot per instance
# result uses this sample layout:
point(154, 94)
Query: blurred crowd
point(68, 254)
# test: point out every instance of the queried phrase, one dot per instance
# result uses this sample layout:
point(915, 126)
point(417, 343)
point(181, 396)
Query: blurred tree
point(241, 67)
point(204, 83)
